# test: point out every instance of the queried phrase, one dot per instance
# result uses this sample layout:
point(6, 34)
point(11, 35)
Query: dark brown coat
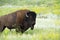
point(16, 20)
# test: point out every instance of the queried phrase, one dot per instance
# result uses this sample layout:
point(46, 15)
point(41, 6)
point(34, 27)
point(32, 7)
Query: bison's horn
point(27, 15)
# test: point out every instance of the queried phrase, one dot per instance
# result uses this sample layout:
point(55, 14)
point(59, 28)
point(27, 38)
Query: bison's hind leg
point(2, 28)
point(10, 27)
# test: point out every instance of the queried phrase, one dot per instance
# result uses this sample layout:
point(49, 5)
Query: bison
point(28, 22)
point(20, 20)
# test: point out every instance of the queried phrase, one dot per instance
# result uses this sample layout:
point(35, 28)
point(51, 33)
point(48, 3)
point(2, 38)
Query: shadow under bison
point(20, 20)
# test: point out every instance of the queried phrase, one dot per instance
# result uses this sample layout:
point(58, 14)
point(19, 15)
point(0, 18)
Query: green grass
point(36, 34)
point(37, 9)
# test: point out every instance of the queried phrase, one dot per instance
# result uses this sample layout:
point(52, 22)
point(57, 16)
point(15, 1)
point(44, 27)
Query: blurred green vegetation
point(30, 2)
point(36, 34)
point(37, 9)
point(39, 6)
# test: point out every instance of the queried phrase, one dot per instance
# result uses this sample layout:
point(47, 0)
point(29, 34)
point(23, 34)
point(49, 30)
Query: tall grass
point(36, 34)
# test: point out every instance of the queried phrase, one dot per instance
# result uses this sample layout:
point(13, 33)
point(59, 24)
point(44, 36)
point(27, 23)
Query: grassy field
point(44, 10)
point(37, 33)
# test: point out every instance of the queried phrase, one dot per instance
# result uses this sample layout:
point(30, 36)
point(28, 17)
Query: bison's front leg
point(18, 29)
point(24, 29)
point(21, 29)
point(2, 28)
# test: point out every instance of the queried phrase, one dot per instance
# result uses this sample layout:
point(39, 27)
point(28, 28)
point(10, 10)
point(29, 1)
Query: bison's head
point(29, 21)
